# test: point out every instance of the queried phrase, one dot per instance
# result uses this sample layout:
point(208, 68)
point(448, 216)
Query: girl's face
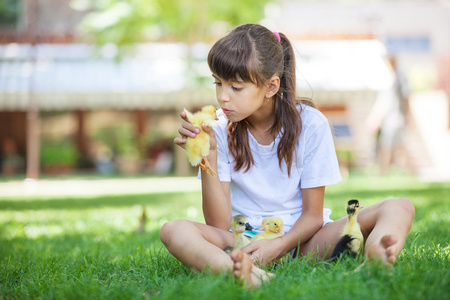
point(239, 99)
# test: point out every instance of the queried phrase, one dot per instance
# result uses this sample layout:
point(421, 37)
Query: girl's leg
point(201, 247)
point(384, 225)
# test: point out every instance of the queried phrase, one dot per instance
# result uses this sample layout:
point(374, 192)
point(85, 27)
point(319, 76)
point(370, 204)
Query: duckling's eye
point(240, 223)
point(275, 224)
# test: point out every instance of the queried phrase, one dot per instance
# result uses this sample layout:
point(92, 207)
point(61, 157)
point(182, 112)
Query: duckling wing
point(355, 246)
point(259, 236)
point(272, 235)
point(240, 242)
point(342, 247)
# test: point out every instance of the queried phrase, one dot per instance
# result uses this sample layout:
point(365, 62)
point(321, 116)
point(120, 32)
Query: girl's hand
point(189, 130)
point(212, 137)
point(265, 251)
point(186, 130)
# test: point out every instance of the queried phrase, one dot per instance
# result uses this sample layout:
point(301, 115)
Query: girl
point(274, 155)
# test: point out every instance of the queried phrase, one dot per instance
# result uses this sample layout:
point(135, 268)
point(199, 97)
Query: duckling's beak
point(248, 226)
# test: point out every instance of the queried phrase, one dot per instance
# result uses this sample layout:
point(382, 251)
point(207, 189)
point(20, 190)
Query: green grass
point(79, 248)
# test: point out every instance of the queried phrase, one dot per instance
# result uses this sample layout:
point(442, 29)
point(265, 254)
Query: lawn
point(79, 248)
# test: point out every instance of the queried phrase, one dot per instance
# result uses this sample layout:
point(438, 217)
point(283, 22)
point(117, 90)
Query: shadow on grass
point(159, 199)
point(106, 242)
point(435, 191)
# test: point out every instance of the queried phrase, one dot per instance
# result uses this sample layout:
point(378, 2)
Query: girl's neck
point(261, 132)
point(263, 119)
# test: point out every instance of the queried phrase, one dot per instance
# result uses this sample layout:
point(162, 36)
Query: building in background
point(84, 91)
point(88, 100)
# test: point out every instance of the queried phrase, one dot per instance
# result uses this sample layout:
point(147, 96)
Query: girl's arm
point(310, 221)
point(215, 194)
point(216, 201)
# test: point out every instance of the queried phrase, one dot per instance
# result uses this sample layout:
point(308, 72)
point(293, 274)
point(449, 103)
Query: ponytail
point(287, 113)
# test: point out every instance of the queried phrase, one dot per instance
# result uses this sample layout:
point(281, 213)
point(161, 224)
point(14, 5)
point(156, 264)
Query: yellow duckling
point(239, 224)
point(197, 149)
point(352, 240)
point(265, 224)
point(273, 228)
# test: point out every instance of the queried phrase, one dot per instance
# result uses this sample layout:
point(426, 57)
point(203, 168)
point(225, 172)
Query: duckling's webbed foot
point(206, 166)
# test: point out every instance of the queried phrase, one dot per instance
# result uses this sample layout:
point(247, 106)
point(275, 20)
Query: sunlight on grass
point(68, 247)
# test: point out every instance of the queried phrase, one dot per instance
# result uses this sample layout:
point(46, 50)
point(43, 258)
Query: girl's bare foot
point(249, 274)
point(384, 251)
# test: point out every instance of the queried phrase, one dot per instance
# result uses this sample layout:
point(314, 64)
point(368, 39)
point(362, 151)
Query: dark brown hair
point(253, 53)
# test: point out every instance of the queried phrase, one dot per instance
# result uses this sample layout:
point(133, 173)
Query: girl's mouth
point(226, 111)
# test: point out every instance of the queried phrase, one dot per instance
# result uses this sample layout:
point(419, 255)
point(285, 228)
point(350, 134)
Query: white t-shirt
point(266, 190)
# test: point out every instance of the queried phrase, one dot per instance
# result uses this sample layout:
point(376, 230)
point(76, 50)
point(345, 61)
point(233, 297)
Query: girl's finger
point(190, 127)
point(207, 129)
point(256, 258)
point(249, 248)
point(185, 132)
point(180, 141)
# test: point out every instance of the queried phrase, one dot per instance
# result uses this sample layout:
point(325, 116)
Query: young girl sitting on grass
point(274, 155)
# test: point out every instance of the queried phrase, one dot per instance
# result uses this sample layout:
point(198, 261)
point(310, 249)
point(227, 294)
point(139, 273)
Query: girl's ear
point(273, 86)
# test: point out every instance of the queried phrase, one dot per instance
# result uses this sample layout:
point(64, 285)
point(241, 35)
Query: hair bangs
point(233, 60)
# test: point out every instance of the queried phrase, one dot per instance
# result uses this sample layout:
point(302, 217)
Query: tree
point(125, 23)
point(9, 12)
point(128, 22)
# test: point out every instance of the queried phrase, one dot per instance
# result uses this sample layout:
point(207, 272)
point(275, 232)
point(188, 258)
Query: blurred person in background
point(388, 118)
point(103, 158)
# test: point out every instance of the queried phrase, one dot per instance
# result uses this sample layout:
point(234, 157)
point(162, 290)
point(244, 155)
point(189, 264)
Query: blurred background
point(95, 87)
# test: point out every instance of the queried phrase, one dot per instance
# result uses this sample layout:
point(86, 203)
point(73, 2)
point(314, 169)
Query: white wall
point(384, 19)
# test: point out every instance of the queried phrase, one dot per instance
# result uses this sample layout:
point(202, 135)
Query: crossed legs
point(201, 247)
point(384, 225)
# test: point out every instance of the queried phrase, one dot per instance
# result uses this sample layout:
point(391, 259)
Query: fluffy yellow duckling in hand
point(197, 148)
point(273, 228)
point(352, 240)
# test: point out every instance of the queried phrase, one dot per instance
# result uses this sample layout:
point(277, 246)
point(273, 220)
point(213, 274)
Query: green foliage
point(58, 153)
point(128, 22)
point(118, 138)
point(77, 248)
point(9, 12)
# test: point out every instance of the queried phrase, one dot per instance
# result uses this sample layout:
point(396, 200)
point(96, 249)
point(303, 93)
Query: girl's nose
point(222, 96)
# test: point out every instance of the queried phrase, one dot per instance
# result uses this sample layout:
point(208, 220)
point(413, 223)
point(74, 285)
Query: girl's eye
point(237, 88)
point(217, 83)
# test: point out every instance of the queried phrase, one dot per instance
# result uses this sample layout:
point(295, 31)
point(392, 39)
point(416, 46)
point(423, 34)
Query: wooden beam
point(141, 119)
point(80, 136)
point(33, 122)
